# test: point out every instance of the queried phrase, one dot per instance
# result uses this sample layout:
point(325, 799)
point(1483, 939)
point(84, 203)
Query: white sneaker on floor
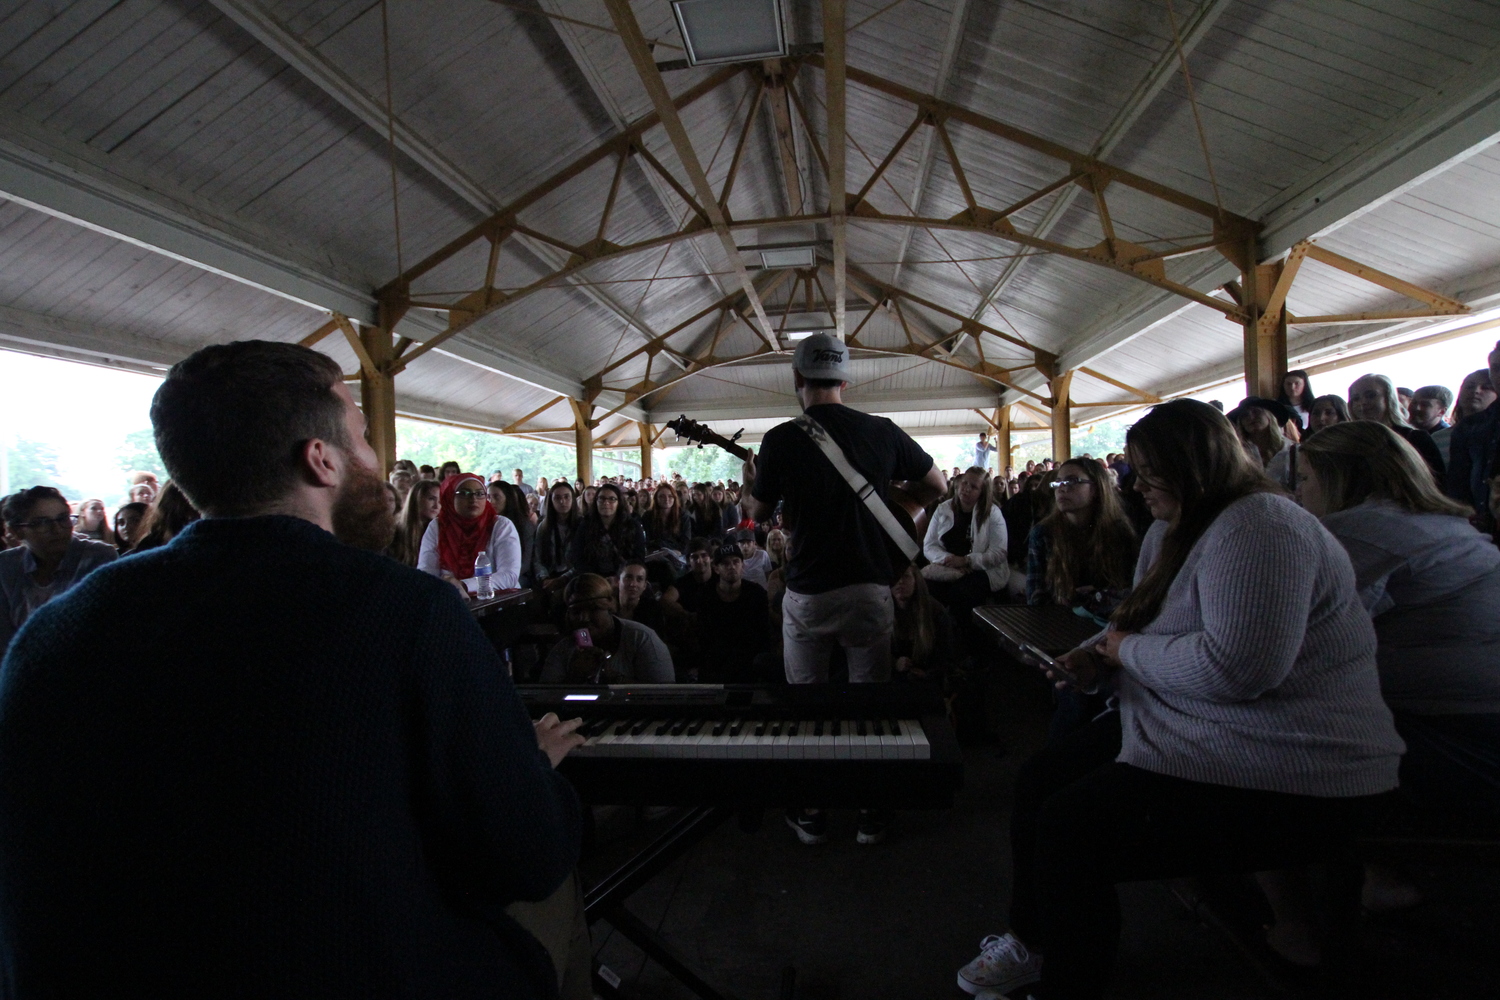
point(1004, 963)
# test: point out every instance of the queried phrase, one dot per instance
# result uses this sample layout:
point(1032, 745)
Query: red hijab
point(460, 539)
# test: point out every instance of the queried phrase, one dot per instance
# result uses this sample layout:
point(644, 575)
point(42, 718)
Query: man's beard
point(362, 511)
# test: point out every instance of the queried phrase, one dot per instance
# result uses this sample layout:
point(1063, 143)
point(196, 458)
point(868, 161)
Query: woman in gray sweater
point(1431, 582)
point(1251, 733)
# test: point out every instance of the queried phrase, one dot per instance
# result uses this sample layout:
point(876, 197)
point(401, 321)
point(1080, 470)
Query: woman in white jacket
point(966, 546)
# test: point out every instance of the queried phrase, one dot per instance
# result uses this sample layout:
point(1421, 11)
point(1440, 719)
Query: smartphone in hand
point(1049, 662)
point(582, 639)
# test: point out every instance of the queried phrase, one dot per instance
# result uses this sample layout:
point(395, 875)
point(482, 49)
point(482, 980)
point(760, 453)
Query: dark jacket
point(259, 763)
point(1471, 457)
point(596, 549)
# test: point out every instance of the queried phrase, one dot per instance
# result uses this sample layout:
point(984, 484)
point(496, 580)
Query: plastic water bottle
point(482, 574)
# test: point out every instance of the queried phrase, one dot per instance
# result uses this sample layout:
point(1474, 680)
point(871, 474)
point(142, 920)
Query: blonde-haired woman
point(1431, 582)
point(966, 546)
point(1373, 397)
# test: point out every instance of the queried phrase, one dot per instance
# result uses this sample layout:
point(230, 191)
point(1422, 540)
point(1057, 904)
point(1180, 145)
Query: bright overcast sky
point(84, 412)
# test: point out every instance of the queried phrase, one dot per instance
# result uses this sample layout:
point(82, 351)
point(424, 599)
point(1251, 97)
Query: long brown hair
point(1362, 459)
point(1188, 450)
point(411, 524)
point(917, 620)
point(170, 512)
point(1103, 549)
point(663, 521)
point(982, 503)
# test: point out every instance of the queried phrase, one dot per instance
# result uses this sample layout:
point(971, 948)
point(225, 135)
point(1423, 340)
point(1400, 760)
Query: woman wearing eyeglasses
point(49, 561)
point(466, 525)
point(1083, 553)
point(608, 538)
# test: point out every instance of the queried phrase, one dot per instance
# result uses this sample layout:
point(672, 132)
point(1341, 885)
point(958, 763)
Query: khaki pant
point(557, 922)
point(859, 617)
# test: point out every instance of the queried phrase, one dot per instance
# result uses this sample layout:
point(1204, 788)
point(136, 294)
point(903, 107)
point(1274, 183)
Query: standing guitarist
point(840, 568)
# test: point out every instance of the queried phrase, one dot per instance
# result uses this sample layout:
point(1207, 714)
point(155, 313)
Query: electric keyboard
point(758, 745)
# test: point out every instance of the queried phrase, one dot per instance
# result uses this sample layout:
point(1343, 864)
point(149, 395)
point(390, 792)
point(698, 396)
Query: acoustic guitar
point(907, 512)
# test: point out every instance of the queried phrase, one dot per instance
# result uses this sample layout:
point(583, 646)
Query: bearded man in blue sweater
point(261, 762)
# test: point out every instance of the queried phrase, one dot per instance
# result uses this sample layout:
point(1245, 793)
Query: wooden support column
point(1002, 437)
point(1265, 289)
point(1062, 417)
point(377, 386)
point(647, 437)
point(583, 439)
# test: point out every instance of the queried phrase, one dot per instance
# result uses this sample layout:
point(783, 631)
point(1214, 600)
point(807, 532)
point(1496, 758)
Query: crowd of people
point(1295, 603)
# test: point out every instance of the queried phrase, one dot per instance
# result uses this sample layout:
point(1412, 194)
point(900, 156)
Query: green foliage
point(138, 454)
point(32, 463)
point(703, 465)
point(481, 453)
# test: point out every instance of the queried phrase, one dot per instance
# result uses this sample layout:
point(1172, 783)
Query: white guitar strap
point(859, 484)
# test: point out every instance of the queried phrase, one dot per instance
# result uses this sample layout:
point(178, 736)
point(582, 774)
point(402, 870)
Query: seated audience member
point(554, 536)
point(143, 487)
point(966, 546)
point(687, 593)
point(608, 538)
point(305, 772)
point(423, 502)
point(93, 522)
point(1260, 423)
point(49, 560)
point(510, 503)
point(1373, 397)
point(448, 469)
point(668, 528)
point(1082, 554)
point(733, 623)
point(466, 525)
point(1429, 412)
point(1327, 411)
point(169, 514)
point(757, 561)
point(1251, 733)
point(1297, 395)
point(1432, 585)
point(518, 480)
point(1474, 441)
point(427, 472)
point(924, 645)
point(617, 651)
point(635, 600)
point(401, 481)
point(128, 525)
point(395, 499)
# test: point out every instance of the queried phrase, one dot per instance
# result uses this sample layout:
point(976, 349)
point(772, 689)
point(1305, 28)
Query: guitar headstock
point(691, 430)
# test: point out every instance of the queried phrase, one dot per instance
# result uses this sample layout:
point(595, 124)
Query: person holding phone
point(1251, 733)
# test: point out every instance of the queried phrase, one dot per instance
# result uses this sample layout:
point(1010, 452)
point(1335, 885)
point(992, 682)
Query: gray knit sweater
point(1259, 670)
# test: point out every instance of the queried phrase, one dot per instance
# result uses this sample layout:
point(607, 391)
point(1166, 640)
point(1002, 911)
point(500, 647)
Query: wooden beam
point(377, 391)
point(1062, 417)
point(671, 121)
point(647, 439)
point(320, 333)
point(786, 144)
point(516, 425)
point(1276, 302)
point(1439, 303)
point(1145, 396)
point(1002, 438)
point(366, 362)
point(583, 438)
point(1408, 345)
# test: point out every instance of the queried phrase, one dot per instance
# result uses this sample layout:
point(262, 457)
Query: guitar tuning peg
point(737, 434)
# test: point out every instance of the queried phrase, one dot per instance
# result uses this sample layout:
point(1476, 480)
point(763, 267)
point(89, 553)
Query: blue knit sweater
point(260, 763)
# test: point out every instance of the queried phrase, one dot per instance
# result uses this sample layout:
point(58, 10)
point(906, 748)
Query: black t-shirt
point(690, 591)
point(836, 541)
point(956, 539)
point(731, 634)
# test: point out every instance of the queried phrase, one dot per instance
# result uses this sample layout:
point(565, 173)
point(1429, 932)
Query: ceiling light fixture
point(730, 31)
point(784, 257)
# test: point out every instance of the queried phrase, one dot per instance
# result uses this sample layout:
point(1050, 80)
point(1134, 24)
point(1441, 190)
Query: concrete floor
point(898, 919)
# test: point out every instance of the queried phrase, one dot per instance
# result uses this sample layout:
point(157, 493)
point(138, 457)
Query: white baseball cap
point(822, 356)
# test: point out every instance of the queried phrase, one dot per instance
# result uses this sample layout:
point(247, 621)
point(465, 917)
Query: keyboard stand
point(606, 901)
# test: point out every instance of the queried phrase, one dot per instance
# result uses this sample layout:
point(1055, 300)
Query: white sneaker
point(1004, 963)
